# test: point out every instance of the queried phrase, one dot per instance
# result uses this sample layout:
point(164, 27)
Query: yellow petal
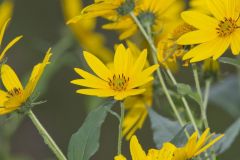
point(140, 63)
point(91, 84)
point(231, 8)
point(4, 111)
point(136, 149)
point(97, 66)
point(3, 98)
point(36, 75)
point(235, 42)
point(199, 20)
point(119, 59)
point(202, 140)
point(122, 95)
point(217, 8)
point(196, 37)
point(209, 145)
point(119, 157)
point(128, 32)
point(15, 40)
point(97, 92)
point(190, 146)
point(9, 78)
point(3, 31)
point(205, 50)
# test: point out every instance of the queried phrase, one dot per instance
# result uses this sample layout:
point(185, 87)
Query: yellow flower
point(137, 153)
point(195, 146)
point(16, 95)
point(214, 34)
point(121, 81)
point(9, 45)
point(84, 30)
point(6, 9)
point(156, 15)
point(168, 54)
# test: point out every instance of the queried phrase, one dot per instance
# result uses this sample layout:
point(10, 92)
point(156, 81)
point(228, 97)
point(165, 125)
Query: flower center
point(226, 27)
point(14, 92)
point(147, 19)
point(118, 82)
point(126, 7)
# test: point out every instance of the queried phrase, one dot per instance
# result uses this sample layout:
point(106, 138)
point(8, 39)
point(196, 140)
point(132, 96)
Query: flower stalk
point(150, 41)
point(120, 134)
point(47, 138)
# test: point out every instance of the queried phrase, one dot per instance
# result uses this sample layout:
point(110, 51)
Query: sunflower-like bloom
point(159, 16)
point(10, 44)
point(136, 106)
point(214, 34)
point(195, 146)
point(137, 153)
point(124, 79)
point(169, 52)
point(84, 30)
point(16, 95)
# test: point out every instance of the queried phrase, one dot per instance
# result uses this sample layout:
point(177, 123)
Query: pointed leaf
point(163, 128)
point(85, 142)
point(230, 135)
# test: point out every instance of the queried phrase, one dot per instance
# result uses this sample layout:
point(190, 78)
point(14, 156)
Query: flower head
point(16, 95)
point(214, 34)
point(195, 146)
point(10, 44)
point(153, 14)
point(137, 153)
point(120, 81)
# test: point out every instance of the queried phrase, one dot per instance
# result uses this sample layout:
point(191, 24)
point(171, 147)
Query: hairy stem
point(47, 138)
point(120, 135)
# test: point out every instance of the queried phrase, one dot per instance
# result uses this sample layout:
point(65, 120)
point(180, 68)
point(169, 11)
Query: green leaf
point(232, 61)
point(180, 138)
point(226, 96)
point(186, 90)
point(229, 136)
point(163, 128)
point(85, 142)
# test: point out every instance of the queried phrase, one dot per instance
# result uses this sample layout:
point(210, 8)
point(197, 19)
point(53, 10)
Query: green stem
point(159, 74)
point(120, 135)
point(47, 138)
point(186, 105)
point(203, 103)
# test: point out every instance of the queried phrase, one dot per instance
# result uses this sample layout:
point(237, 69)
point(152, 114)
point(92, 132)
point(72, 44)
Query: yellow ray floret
point(10, 44)
point(16, 95)
point(195, 146)
point(214, 35)
point(121, 80)
point(137, 153)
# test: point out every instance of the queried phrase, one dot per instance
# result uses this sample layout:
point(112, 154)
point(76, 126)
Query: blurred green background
point(42, 24)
